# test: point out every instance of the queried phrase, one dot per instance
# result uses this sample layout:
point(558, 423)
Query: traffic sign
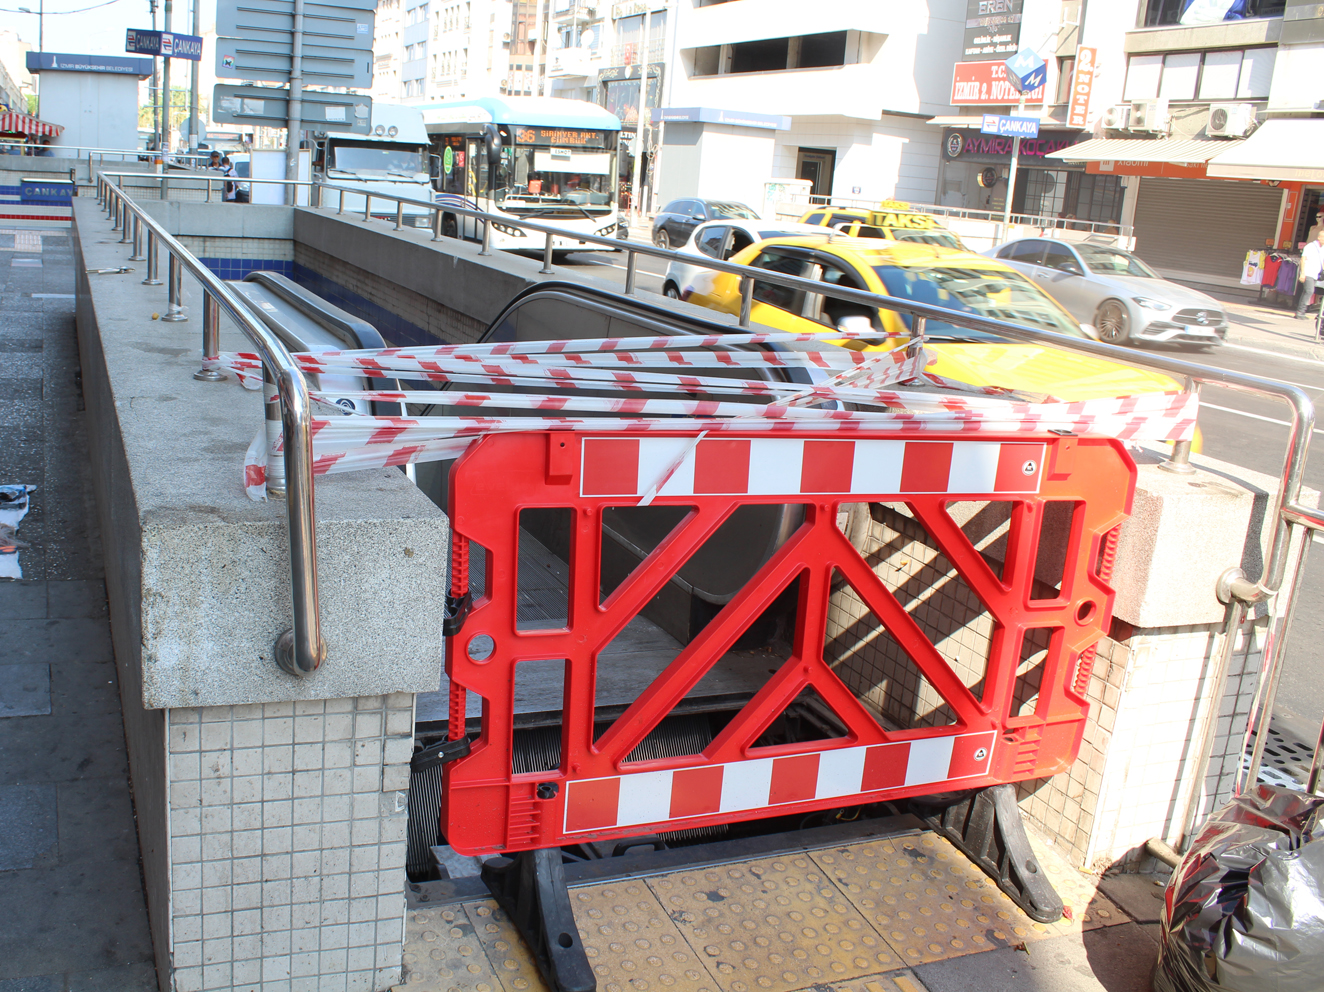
point(332, 26)
point(1010, 127)
point(269, 107)
point(166, 44)
point(270, 61)
point(1026, 71)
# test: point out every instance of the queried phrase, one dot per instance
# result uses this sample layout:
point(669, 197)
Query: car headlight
point(1149, 304)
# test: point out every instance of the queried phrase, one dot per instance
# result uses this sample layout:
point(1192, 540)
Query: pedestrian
point(214, 161)
point(227, 167)
point(45, 149)
point(1312, 262)
point(1317, 226)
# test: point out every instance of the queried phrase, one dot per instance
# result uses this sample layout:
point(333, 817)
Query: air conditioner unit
point(1230, 120)
point(1118, 118)
point(1150, 115)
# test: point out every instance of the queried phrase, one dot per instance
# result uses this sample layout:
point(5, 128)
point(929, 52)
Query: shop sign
point(960, 144)
point(987, 82)
point(1082, 85)
point(992, 29)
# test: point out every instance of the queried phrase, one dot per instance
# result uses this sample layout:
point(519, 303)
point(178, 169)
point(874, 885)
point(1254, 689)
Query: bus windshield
point(533, 180)
point(377, 156)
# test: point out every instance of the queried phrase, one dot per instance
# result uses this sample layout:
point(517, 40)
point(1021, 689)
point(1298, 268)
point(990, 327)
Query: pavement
point(72, 912)
point(1266, 325)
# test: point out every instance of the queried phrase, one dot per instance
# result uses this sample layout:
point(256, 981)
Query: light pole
point(41, 45)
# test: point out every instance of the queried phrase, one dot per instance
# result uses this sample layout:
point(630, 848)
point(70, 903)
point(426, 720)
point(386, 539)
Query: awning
point(12, 122)
point(1171, 150)
point(1286, 150)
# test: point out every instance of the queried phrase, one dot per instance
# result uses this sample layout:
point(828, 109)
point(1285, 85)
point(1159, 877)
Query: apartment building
point(1213, 119)
point(430, 50)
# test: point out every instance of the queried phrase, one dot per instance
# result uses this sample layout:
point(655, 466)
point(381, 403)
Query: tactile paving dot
point(772, 925)
point(632, 945)
point(506, 951)
point(443, 954)
point(926, 898)
point(1090, 908)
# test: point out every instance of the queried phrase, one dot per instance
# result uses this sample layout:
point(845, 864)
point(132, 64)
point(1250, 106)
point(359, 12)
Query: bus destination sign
point(560, 136)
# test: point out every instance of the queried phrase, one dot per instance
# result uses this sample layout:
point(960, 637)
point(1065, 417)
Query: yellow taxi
point(956, 280)
point(894, 221)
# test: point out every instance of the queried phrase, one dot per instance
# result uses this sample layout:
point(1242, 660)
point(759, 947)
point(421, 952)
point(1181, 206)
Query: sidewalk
point(72, 912)
point(1260, 324)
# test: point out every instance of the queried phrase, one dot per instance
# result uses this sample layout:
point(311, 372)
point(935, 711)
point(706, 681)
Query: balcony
point(569, 10)
point(628, 53)
point(754, 20)
point(857, 91)
point(572, 62)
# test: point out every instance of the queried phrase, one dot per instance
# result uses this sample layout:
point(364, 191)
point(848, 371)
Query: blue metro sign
point(1026, 71)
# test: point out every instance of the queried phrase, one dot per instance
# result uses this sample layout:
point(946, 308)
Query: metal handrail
point(300, 650)
point(1233, 587)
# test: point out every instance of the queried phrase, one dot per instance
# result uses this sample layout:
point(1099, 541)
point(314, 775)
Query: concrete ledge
point(222, 220)
point(213, 590)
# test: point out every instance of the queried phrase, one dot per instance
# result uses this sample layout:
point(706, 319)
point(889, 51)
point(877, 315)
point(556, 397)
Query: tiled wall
point(234, 258)
point(287, 844)
point(402, 316)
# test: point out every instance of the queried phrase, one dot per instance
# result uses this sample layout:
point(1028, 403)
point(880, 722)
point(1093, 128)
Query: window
point(1060, 257)
point(1216, 75)
point(815, 218)
point(1066, 68)
point(710, 243)
point(1159, 13)
point(1030, 251)
point(781, 297)
point(773, 54)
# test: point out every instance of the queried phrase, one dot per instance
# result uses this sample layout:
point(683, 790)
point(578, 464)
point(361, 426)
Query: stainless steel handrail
point(1233, 586)
point(300, 650)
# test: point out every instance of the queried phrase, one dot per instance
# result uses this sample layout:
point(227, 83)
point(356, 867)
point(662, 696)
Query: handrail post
point(367, 207)
point(487, 242)
point(118, 213)
point(275, 464)
point(315, 195)
point(340, 202)
point(211, 336)
point(399, 214)
point(175, 290)
point(436, 225)
point(126, 232)
point(153, 257)
point(746, 299)
point(631, 263)
point(298, 471)
point(137, 255)
point(547, 256)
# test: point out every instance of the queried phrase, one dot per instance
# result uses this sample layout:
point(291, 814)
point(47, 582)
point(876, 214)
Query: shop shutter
point(1203, 226)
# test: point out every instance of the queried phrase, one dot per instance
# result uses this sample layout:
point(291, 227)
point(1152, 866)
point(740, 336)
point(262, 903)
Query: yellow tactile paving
point(443, 953)
point(772, 925)
point(843, 919)
point(632, 945)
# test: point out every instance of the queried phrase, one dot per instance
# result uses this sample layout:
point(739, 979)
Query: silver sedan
point(1122, 297)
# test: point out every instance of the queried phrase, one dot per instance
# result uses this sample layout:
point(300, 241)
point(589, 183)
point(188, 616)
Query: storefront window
point(1159, 13)
point(1068, 195)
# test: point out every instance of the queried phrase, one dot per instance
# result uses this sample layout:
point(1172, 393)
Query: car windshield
point(942, 238)
point(376, 156)
point(1114, 262)
point(733, 210)
point(979, 291)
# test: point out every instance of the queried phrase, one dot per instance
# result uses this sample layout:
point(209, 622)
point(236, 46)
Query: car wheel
point(661, 238)
point(671, 291)
point(449, 229)
point(1113, 322)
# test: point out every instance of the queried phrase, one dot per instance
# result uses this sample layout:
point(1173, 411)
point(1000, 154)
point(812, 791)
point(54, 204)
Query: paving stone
point(25, 690)
point(73, 639)
point(33, 983)
point(75, 598)
point(1139, 896)
point(28, 834)
point(23, 600)
point(95, 821)
point(127, 978)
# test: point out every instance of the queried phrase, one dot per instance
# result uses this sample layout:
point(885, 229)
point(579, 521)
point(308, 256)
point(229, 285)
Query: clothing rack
point(1278, 257)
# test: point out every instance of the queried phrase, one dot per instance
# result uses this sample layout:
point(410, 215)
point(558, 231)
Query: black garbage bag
point(1244, 911)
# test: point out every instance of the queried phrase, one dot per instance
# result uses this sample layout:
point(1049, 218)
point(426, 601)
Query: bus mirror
point(492, 143)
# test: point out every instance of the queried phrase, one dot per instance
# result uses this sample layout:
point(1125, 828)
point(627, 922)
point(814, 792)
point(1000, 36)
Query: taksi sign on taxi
point(987, 83)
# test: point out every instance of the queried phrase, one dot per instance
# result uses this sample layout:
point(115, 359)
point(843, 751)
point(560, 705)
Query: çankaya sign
point(164, 43)
point(987, 83)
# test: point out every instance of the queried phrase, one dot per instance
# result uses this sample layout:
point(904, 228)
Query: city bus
point(535, 158)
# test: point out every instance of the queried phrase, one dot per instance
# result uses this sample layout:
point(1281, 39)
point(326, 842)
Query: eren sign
point(987, 83)
point(1082, 85)
point(992, 29)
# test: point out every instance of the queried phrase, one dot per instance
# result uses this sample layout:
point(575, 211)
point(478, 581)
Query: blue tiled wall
point(395, 331)
point(237, 268)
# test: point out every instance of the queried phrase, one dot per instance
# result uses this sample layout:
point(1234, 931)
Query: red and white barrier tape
point(349, 441)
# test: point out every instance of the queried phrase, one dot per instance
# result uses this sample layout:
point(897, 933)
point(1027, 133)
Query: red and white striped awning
point(12, 122)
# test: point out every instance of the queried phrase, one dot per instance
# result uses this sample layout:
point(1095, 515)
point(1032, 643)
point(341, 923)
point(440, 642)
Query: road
point(1238, 428)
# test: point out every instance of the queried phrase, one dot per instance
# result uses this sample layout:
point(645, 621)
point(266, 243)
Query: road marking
point(52, 296)
point(1253, 416)
point(1285, 382)
point(1273, 354)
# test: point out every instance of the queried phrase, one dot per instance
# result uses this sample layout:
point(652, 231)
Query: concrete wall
point(96, 109)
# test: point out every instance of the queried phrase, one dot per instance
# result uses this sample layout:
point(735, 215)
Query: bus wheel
point(449, 229)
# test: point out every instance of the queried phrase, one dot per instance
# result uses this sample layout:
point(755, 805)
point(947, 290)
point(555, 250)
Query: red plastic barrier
point(596, 794)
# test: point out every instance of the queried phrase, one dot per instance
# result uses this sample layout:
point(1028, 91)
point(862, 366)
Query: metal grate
point(1286, 761)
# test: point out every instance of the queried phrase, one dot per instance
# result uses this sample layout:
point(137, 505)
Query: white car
point(721, 239)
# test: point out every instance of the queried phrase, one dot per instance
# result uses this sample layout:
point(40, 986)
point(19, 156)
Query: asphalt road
point(1238, 428)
